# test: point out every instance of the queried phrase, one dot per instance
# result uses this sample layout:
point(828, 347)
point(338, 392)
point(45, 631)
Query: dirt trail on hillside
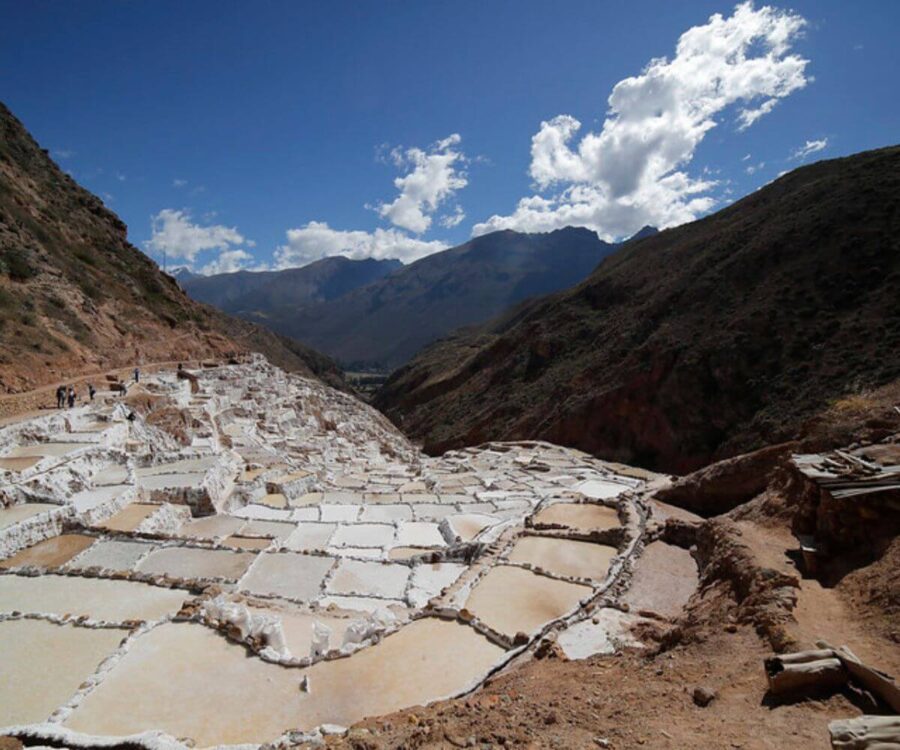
point(18, 406)
point(821, 613)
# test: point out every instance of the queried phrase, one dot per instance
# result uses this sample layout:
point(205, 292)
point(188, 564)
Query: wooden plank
point(879, 683)
point(865, 733)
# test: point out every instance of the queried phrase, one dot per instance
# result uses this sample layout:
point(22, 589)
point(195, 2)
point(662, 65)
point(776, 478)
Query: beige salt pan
point(188, 562)
point(564, 557)
point(44, 663)
point(98, 598)
point(579, 516)
point(246, 542)
point(17, 513)
point(310, 498)
point(426, 660)
point(404, 553)
point(13, 463)
point(47, 449)
point(513, 600)
point(211, 527)
point(50, 553)
point(189, 681)
point(130, 517)
point(469, 525)
point(273, 500)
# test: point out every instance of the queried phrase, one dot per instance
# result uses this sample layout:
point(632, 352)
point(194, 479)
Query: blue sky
point(271, 133)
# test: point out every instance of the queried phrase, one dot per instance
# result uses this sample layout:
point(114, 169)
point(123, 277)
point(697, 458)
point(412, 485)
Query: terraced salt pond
point(95, 598)
point(17, 513)
point(578, 516)
point(314, 568)
point(43, 665)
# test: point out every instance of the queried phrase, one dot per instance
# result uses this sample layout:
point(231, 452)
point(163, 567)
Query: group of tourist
point(66, 395)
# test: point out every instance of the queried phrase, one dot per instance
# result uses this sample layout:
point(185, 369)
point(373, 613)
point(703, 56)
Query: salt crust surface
point(310, 506)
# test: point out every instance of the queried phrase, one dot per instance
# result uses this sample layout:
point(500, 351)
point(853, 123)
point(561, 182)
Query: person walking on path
point(91, 391)
point(60, 397)
point(137, 375)
point(71, 396)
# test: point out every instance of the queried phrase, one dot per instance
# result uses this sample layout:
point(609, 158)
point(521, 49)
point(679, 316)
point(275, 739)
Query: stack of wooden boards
point(827, 668)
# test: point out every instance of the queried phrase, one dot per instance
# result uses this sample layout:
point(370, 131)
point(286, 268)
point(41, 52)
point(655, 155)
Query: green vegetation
point(16, 264)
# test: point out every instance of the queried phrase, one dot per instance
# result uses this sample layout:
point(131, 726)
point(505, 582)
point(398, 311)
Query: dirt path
point(15, 407)
point(821, 613)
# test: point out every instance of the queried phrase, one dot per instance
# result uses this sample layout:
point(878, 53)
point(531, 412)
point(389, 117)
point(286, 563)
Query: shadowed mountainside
point(76, 297)
point(384, 323)
point(278, 294)
point(697, 343)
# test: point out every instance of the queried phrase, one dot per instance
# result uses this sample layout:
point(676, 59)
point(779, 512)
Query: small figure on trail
point(180, 367)
point(92, 391)
point(71, 396)
point(60, 397)
point(137, 375)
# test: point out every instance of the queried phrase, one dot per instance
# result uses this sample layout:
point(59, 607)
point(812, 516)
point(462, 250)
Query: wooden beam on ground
point(865, 733)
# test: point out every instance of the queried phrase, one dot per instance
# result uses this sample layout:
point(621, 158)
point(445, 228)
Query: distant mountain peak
point(182, 274)
point(645, 231)
point(251, 293)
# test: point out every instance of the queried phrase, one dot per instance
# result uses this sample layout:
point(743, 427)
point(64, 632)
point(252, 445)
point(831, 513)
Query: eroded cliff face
point(701, 342)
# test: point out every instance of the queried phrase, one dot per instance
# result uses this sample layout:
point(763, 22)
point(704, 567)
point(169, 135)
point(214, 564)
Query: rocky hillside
point(697, 343)
point(278, 294)
point(383, 324)
point(76, 297)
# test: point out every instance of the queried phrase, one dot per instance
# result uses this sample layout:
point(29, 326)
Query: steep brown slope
point(76, 297)
point(700, 342)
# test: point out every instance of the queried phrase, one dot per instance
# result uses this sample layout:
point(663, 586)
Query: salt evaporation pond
point(311, 567)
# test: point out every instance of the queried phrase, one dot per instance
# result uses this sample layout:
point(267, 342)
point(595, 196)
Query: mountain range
point(377, 314)
point(693, 344)
point(276, 294)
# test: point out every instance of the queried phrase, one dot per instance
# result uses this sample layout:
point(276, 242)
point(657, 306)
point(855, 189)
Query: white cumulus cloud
point(448, 221)
point(810, 147)
point(432, 177)
point(175, 234)
point(631, 173)
point(316, 240)
point(230, 261)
